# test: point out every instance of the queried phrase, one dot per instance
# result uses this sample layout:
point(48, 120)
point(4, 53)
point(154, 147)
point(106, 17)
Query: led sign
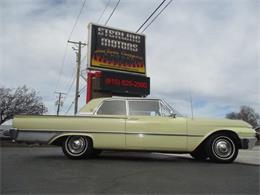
point(124, 83)
point(113, 49)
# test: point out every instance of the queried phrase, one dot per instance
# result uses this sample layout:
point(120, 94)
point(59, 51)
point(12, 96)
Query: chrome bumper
point(12, 133)
point(248, 143)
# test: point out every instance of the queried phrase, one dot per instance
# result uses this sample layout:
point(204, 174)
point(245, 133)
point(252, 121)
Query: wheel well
point(60, 140)
point(226, 132)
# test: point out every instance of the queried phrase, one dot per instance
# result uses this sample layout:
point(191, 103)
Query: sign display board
point(124, 83)
point(117, 50)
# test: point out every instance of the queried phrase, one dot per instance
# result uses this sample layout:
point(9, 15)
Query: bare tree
point(19, 101)
point(247, 114)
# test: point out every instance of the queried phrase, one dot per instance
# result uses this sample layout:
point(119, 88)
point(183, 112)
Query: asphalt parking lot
point(44, 170)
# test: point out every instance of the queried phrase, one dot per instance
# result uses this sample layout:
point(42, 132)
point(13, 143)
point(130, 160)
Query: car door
point(110, 124)
point(147, 128)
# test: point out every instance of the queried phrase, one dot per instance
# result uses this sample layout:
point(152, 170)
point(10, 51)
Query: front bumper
point(248, 143)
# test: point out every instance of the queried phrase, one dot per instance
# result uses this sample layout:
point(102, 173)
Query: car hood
point(219, 122)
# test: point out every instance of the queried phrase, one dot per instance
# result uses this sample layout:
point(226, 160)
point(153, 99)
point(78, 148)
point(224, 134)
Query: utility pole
point(78, 60)
point(59, 103)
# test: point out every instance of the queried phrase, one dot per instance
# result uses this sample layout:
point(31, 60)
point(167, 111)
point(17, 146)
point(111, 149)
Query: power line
point(69, 107)
point(76, 21)
point(83, 59)
point(151, 15)
point(65, 98)
point(112, 12)
point(59, 102)
point(80, 92)
point(72, 82)
point(61, 67)
point(65, 53)
point(101, 15)
point(157, 15)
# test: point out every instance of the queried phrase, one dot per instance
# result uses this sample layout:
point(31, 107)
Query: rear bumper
point(248, 143)
point(12, 133)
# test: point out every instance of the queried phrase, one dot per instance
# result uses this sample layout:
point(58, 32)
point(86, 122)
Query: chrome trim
point(35, 136)
point(248, 143)
point(251, 142)
point(127, 99)
point(109, 132)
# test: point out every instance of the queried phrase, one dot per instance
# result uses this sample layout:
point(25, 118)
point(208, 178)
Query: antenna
point(191, 104)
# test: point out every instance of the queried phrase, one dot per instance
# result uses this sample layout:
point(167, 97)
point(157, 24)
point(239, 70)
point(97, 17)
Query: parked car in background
point(136, 124)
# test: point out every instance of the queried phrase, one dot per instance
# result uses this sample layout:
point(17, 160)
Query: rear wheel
point(77, 147)
point(222, 148)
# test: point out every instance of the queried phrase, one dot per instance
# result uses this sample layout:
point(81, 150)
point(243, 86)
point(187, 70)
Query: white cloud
point(209, 46)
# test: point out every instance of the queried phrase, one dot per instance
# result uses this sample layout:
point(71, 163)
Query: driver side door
point(147, 129)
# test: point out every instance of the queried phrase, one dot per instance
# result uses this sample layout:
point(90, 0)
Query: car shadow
point(127, 157)
point(118, 156)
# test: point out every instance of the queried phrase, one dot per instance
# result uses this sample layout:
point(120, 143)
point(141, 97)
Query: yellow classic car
point(137, 124)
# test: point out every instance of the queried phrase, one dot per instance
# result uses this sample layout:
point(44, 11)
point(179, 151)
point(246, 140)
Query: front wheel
point(77, 147)
point(222, 148)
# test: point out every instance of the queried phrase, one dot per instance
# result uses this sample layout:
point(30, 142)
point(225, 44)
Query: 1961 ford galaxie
point(136, 124)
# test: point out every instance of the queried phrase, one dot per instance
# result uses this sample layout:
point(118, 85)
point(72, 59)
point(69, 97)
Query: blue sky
point(208, 47)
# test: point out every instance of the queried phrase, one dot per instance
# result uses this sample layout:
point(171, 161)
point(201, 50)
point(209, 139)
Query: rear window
point(113, 107)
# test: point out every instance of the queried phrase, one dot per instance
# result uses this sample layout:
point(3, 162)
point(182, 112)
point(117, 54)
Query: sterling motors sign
point(117, 50)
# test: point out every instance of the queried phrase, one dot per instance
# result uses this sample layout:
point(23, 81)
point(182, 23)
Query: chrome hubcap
point(223, 147)
point(77, 144)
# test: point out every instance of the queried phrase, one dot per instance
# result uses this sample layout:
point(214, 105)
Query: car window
point(165, 111)
point(146, 108)
point(112, 107)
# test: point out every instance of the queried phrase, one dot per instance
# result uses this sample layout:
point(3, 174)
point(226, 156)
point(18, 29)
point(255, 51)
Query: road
point(44, 170)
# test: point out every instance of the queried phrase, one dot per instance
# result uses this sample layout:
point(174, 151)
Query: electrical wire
point(101, 15)
point(68, 91)
point(112, 12)
point(150, 16)
point(73, 81)
point(80, 92)
point(61, 67)
point(66, 48)
point(69, 107)
point(83, 59)
point(157, 15)
point(77, 18)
